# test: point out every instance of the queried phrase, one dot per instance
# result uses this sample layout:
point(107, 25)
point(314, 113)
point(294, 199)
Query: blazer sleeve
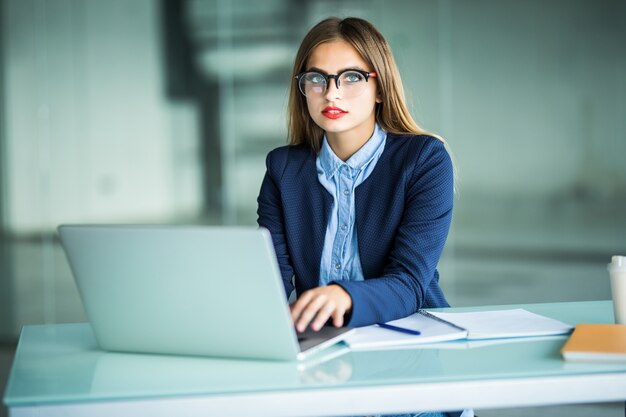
point(270, 213)
point(419, 240)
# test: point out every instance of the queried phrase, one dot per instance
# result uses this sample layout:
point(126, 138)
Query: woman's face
point(339, 115)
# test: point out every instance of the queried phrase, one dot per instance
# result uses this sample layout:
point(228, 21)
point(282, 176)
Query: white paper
point(371, 337)
point(505, 323)
point(479, 325)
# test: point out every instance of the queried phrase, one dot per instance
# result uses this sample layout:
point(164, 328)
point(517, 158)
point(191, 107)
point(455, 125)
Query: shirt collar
point(330, 163)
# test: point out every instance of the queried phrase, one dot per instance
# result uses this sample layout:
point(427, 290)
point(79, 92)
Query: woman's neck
point(346, 144)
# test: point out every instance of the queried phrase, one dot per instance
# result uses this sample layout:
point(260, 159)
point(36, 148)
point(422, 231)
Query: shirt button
point(344, 227)
point(338, 266)
point(346, 192)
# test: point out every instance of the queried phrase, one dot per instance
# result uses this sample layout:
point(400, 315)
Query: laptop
point(187, 290)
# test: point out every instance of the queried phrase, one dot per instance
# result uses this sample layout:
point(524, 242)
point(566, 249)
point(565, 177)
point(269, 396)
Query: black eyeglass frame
point(327, 77)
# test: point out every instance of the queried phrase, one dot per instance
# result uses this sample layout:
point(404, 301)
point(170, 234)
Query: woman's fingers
point(316, 306)
point(309, 311)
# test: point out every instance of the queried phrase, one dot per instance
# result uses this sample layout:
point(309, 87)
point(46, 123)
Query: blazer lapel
point(318, 208)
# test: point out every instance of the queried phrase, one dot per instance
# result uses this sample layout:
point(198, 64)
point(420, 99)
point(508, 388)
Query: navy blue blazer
point(403, 213)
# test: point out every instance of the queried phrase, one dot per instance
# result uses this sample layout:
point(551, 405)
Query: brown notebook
point(596, 343)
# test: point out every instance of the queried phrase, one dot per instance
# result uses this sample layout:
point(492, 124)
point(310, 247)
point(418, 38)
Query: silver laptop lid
point(192, 290)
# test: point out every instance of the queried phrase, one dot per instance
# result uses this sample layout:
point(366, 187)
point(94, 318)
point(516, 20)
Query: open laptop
point(191, 290)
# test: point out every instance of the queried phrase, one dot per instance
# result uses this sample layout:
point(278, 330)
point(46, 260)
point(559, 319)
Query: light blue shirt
point(340, 255)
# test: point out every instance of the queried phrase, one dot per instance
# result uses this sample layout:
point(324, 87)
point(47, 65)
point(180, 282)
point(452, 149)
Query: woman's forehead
point(336, 55)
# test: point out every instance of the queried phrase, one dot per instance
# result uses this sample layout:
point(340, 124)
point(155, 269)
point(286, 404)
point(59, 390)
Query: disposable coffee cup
point(617, 270)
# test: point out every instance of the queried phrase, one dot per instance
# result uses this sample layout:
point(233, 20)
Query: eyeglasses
point(352, 82)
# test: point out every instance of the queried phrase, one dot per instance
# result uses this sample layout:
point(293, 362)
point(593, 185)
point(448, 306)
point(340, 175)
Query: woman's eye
point(316, 79)
point(352, 77)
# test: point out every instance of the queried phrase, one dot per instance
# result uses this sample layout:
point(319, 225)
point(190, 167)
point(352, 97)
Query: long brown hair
point(391, 114)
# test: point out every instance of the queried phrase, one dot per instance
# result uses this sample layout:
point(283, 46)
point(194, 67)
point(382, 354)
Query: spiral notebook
point(434, 327)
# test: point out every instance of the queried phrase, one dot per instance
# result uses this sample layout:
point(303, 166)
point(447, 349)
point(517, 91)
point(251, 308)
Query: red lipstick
point(333, 112)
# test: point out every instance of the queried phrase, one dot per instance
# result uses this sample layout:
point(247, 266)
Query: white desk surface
point(59, 371)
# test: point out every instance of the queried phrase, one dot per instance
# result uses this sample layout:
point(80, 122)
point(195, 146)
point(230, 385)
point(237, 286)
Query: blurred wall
point(531, 94)
point(90, 135)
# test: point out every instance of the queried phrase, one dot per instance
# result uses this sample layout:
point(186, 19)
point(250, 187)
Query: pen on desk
point(399, 329)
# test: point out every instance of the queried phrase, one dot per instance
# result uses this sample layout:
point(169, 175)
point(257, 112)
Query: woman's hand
point(316, 306)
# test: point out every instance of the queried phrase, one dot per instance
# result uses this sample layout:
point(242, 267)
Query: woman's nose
point(332, 91)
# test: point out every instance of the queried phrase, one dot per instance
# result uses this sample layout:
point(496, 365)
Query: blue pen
point(399, 329)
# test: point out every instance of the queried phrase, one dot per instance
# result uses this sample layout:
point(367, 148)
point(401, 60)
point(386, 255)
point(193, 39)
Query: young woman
point(359, 203)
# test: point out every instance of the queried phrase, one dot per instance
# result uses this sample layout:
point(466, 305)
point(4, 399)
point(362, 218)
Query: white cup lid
point(618, 264)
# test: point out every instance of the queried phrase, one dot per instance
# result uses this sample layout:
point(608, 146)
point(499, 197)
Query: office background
point(140, 111)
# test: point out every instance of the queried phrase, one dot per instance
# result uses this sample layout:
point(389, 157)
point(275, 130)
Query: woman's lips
point(333, 112)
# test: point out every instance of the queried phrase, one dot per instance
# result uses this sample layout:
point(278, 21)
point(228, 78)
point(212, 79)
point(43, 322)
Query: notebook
point(596, 343)
point(188, 290)
point(432, 327)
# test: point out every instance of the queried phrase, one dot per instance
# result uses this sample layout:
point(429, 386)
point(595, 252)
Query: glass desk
point(59, 371)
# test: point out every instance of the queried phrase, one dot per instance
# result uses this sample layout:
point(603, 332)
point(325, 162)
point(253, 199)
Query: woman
point(359, 203)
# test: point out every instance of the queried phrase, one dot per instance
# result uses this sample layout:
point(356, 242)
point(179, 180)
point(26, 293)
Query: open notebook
point(443, 326)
